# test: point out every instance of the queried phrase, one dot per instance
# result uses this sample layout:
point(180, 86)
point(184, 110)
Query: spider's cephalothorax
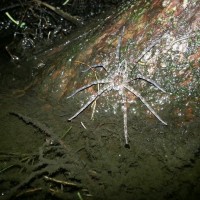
point(118, 80)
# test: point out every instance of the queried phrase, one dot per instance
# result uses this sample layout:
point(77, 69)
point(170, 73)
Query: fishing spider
point(117, 80)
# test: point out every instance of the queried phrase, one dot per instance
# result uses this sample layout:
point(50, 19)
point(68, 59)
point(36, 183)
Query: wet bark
point(160, 41)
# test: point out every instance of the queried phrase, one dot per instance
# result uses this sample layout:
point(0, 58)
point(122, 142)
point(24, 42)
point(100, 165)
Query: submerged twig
point(66, 183)
point(43, 128)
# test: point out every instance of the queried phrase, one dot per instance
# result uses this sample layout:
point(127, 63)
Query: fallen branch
point(65, 15)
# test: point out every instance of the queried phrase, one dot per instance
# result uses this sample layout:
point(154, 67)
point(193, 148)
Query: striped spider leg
point(93, 97)
point(117, 79)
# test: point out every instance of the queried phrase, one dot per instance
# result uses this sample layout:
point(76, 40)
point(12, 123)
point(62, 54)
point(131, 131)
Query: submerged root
point(54, 169)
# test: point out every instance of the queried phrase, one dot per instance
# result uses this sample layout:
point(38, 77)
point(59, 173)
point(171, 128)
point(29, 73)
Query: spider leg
point(124, 110)
point(87, 86)
point(145, 103)
point(92, 99)
point(119, 44)
point(95, 66)
point(150, 81)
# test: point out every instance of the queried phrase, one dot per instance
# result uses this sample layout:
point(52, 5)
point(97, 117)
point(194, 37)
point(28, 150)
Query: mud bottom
point(45, 157)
